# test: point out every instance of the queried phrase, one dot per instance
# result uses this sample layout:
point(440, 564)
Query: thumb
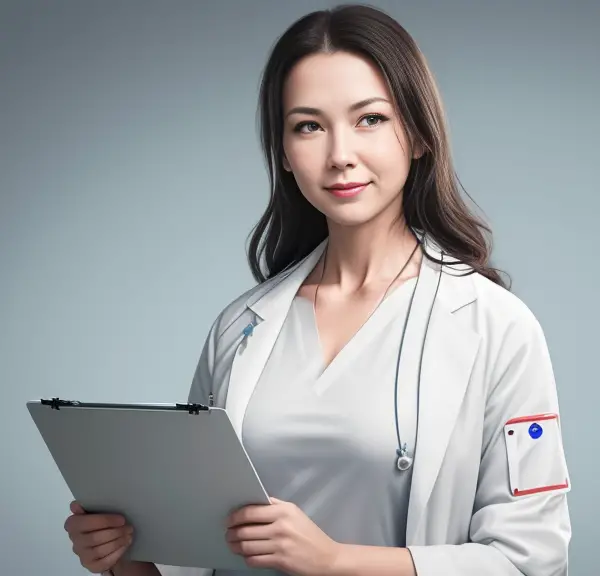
point(76, 508)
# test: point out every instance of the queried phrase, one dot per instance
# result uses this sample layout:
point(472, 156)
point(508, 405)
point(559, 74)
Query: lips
point(347, 190)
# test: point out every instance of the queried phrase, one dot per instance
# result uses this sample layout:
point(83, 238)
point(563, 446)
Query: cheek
point(307, 172)
point(392, 170)
point(389, 155)
point(306, 160)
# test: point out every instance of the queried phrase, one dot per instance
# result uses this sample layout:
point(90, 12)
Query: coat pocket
point(536, 459)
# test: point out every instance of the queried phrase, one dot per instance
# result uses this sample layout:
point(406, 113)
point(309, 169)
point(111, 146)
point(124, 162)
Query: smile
point(347, 192)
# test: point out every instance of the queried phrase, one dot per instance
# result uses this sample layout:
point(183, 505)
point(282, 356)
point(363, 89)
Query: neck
point(358, 256)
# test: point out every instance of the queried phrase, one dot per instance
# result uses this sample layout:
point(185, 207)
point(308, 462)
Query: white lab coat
point(485, 362)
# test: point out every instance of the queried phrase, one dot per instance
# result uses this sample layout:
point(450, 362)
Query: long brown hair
point(291, 227)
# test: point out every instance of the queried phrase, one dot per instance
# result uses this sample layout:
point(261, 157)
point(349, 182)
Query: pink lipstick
point(347, 189)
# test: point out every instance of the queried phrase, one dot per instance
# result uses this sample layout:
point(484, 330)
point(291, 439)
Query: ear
point(286, 164)
point(417, 151)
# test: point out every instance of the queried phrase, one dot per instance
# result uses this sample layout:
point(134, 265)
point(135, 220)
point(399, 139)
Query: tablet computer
point(175, 471)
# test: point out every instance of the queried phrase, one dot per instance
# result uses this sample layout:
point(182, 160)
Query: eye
point(379, 118)
point(300, 125)
point(374, 120)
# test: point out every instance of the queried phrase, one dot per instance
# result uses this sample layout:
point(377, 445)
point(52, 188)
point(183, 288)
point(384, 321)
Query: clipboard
point(175, 471)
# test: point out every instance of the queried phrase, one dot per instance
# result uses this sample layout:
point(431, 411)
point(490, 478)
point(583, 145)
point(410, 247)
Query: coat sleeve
point(512, 535)
point(199, 392)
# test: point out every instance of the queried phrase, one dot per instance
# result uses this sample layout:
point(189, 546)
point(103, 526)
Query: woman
point(393, 395)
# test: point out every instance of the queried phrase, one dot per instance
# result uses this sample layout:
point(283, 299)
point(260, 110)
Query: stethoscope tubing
point(405, 457)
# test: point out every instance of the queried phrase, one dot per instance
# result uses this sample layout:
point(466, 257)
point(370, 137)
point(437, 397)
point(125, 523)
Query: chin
point(350, 214)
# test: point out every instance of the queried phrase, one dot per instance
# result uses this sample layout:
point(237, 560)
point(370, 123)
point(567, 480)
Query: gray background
point(130, 176)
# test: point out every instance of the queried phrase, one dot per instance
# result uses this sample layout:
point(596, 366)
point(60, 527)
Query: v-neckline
point(359, 335)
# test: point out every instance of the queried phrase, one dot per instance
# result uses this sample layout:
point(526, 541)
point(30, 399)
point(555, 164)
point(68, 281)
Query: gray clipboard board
point(175, 471)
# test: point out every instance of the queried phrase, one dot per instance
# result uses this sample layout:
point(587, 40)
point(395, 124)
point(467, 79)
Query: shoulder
point(513, 364)
point(471, 296)
point(235, 309)
point(508, 329)
point(225, 330)
point(501, 319)
point(500, 307)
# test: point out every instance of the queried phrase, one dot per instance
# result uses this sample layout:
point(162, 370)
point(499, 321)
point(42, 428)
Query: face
point(340, 127)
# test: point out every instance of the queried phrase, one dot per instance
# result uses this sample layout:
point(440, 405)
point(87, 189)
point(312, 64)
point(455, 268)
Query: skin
point(100, 540)
point(368, 245)
point(368, 242)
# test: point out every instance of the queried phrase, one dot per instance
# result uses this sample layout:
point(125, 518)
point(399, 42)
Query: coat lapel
point(448, 358)
point(270, 310)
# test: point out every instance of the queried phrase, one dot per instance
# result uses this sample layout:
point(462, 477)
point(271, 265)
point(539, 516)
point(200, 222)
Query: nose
point(341, 151)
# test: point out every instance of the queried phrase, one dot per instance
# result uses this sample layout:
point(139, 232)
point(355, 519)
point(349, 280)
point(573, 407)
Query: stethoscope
point(405, 460)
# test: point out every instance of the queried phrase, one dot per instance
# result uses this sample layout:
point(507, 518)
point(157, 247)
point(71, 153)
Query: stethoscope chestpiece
point(404, 463)
point(404, 460)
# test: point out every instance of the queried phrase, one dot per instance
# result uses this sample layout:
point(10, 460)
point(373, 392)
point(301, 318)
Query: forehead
point(327, 81)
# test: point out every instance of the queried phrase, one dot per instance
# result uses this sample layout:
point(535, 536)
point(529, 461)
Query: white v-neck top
point(326, 439)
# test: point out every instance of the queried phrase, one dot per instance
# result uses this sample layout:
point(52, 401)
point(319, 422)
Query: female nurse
point(396, 399)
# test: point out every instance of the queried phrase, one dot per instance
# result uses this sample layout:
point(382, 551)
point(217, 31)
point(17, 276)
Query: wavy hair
point(291, 227)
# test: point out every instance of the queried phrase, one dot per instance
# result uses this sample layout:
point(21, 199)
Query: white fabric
point(485, 362)
point(326, 439)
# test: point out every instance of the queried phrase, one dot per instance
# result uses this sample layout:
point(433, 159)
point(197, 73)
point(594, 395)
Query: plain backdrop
point(130, 177)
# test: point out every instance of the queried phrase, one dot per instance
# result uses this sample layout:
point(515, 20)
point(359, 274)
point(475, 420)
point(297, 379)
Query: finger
point(250, 532)
point(268, 561)
point(107, 562)
point(105, 550)
point(99, 537)
point(76, 508)
point(83, 523)
point(96, 553)
point(260, 514)
point(253, 547)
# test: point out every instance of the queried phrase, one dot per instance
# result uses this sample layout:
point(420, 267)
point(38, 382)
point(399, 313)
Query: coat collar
point(449, 353)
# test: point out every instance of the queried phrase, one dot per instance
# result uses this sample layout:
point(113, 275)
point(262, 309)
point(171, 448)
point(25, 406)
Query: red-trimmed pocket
point(536, 459)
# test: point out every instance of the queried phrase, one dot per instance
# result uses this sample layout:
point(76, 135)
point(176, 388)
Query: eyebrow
point(352, 108)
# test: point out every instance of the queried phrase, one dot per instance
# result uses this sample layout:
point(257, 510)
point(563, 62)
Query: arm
point(372, 560)
point(509, 535)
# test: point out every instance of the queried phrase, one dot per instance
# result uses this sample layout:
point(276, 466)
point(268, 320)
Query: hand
point(280, 536)
point(98, 539)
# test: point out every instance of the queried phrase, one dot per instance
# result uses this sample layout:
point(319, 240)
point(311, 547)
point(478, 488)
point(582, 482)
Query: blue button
point(535, 431)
